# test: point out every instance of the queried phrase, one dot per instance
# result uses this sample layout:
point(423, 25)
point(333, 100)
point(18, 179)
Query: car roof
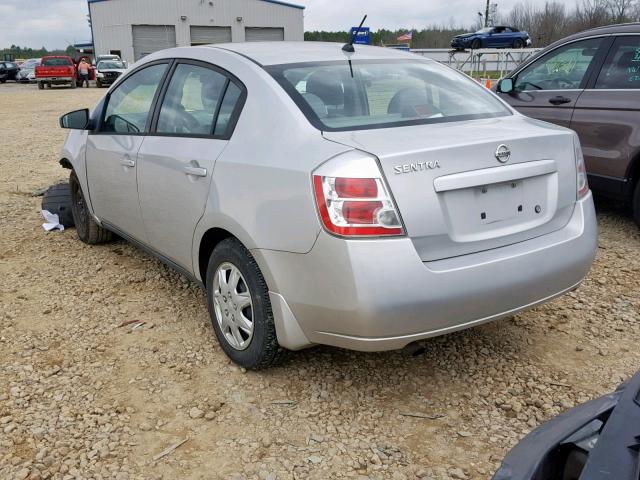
point(275, 53)
point(606, 30)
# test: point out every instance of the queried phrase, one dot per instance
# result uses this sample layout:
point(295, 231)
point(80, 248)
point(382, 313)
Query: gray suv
point(363, 200)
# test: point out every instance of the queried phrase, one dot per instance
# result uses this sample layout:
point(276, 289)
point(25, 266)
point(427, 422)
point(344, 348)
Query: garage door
point(206, 35)
point(151, 38)
point(259, 34)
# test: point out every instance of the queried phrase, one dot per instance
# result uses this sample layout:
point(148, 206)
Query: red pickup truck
point(56, 70)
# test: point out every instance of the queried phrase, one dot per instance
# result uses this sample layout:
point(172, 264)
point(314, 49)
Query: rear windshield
point(380, 94)
point(56, 62)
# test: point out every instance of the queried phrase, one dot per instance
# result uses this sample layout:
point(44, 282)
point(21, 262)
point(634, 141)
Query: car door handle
point(559, 100)
point(195, 171)
point(127, 162)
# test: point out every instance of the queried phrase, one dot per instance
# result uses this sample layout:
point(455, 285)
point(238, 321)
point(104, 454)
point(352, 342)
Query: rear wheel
point(476, 44)
point(40, 86)
point(239, 307)
point(88, 230)
point(518, 43)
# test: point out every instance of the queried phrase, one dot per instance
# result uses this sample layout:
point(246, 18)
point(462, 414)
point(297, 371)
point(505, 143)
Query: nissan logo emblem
point(503, 154)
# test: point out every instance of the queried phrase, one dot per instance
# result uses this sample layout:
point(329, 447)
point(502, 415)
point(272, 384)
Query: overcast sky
point(57, 23)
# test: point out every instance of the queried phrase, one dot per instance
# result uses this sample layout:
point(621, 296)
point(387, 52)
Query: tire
point(4, 80)
point(261, 349)
point(518, 43)
point(88, 230)
point(57, 199)
point(40, 86)
point(476, 44)
point(98, 84)
point(636, 204)
point(74, 84)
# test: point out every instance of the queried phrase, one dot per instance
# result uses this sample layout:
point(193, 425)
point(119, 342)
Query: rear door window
point(230, 105)
point(621, 70)
point(192, 101)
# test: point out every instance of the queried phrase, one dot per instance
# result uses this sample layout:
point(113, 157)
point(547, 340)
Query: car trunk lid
point(456, 197)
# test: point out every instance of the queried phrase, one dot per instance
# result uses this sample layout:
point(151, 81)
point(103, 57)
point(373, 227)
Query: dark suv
point(590, 82)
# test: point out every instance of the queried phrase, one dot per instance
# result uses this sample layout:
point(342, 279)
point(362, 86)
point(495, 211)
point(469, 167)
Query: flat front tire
point(88, 230)
point(239, 307)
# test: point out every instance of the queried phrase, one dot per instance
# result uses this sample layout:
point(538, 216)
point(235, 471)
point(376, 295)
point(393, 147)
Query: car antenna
point(348, 47)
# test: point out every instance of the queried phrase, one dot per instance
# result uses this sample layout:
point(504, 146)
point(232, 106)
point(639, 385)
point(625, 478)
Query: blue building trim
point(277, 2)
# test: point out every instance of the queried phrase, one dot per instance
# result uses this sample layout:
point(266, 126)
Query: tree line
point(544, 23)
point(27, 52)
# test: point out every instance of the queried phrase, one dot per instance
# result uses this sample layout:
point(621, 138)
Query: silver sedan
point(363, 199)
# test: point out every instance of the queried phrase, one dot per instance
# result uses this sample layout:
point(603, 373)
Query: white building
point(135, 28)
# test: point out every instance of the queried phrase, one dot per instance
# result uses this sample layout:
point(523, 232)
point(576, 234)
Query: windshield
point(384, 94)
point(485, 30)
point(29, 64)
point(110, 65)
point(56, 62)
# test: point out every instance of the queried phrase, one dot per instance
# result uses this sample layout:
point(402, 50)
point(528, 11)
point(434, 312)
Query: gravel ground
point(82, 396)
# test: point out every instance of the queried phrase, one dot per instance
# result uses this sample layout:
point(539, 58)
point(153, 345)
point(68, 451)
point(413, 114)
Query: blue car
point(492, 37)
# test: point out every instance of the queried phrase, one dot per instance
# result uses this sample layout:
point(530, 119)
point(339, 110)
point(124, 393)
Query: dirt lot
point(83, 397)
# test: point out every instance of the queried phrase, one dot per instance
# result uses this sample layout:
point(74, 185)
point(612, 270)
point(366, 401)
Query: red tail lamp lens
point(356, 187)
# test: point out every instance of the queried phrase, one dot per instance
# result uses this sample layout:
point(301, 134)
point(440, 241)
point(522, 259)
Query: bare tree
point(621, 10)
point(591, 14)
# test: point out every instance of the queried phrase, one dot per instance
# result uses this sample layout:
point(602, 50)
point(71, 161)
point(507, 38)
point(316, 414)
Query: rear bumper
point(374, 295)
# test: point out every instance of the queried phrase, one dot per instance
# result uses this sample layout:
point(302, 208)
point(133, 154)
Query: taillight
point(581, 170)
point(356, 207)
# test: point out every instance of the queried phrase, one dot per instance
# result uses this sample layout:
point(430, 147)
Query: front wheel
point(74, 84)
point(88, 230)
point(518, 43)
point(476, 44)
point(98, 83)
point(40, 86)
point(239, 307)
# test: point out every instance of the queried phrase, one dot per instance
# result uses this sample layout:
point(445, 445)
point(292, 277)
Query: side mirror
point(505, 85)
point(77, 120)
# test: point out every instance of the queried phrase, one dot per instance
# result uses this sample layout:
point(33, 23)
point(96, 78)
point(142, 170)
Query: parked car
point(27, 73)
point(492, 37)
point(108, 71)
point(364, 204)
point(593, 441)
point(8, 71)
point(56, 70)
point(100, 58)
point(590, 82)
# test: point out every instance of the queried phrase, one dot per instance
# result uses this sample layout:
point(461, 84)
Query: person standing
point(83, 72)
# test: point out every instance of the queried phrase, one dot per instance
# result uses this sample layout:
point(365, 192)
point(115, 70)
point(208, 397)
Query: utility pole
point(486, 15)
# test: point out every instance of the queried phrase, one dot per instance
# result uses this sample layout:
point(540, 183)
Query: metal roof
point(277, 2)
